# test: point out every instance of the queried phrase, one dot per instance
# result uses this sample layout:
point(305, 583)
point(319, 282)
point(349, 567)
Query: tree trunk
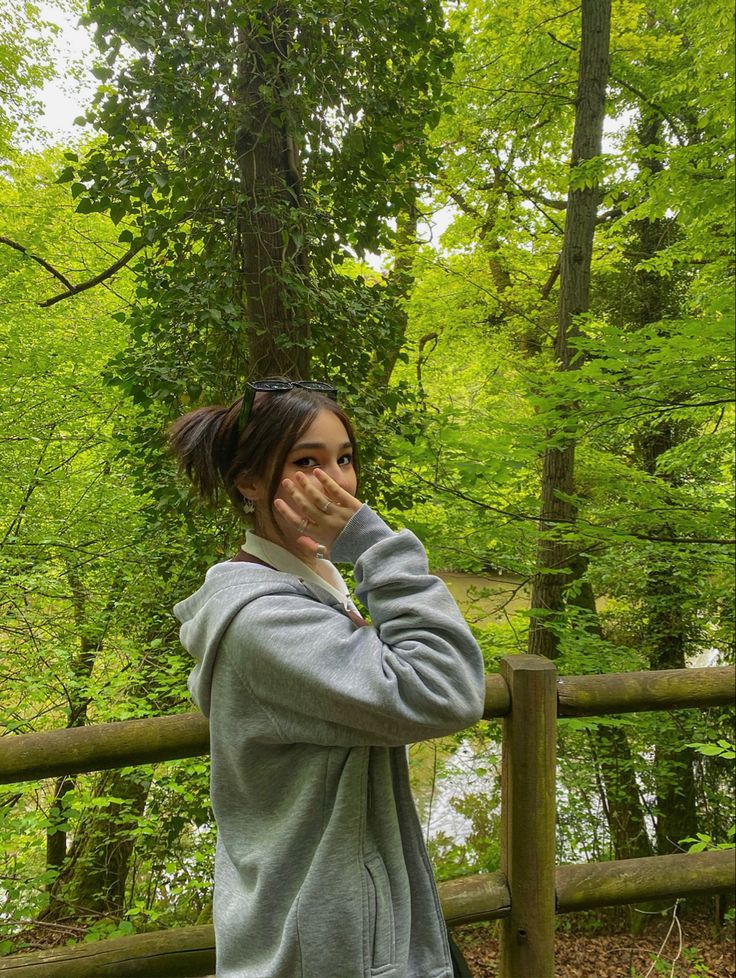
point(271, 230)
point(669, 625)
point(558, 564)
point(612, 756)
point(400, 282)
point(91, 638)
point(93, 880)
point(669, 629)
point(554, 553)
point(93, 877)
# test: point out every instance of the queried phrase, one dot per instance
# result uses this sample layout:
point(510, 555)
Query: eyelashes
point(309, 461)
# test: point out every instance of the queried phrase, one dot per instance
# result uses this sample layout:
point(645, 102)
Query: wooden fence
point(525, 895)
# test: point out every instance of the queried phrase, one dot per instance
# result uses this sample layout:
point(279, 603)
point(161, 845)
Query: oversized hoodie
point(321, 869)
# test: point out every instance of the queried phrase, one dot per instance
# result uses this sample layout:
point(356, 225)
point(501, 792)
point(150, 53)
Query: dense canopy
point(397, 198)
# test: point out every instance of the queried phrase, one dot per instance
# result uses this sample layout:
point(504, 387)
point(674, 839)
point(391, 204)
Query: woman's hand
point(318, 509)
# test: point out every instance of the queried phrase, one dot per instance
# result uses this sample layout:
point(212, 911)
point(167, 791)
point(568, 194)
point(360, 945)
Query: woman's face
point(324, 444)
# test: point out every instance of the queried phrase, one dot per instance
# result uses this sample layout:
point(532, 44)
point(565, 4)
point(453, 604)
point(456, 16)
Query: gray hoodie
point(321, 870)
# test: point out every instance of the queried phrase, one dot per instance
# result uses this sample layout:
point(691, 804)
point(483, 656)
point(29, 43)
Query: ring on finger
point(303, 525)
point(327, 507)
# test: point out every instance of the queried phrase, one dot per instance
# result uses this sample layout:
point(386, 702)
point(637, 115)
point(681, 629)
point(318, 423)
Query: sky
point(66, 97)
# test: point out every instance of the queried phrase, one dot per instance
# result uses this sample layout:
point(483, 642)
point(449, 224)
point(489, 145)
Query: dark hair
point(214, 453)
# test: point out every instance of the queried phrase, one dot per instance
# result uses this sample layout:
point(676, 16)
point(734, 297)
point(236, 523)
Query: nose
point(334, 471)
point(337, 472)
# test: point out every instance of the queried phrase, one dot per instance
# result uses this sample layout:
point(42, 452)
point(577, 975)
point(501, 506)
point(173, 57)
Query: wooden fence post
point(528, 817)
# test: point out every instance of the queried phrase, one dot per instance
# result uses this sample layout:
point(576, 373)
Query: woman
point(321, 870)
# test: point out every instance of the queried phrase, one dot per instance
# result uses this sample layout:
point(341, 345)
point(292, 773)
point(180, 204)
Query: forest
point(505, 233)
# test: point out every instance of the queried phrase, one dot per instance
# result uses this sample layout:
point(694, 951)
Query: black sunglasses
point(278, 387)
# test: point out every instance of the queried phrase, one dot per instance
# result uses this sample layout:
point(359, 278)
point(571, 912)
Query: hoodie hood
point(206, 615)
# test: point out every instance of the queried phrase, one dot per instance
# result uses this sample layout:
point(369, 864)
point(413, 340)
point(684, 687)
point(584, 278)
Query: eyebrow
point(317, 444)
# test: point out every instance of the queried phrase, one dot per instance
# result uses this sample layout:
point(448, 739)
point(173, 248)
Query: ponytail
point(204, 442)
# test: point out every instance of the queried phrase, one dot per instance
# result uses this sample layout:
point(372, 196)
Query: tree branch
point(90, 283)
point(553, 276)
point(588, 529)
point(535, 199)
point(634, 91)
point(44, 264)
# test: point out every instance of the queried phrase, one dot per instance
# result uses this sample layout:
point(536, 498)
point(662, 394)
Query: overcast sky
point(65, 98)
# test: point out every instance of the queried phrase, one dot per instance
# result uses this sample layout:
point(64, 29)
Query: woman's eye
point(309, 461)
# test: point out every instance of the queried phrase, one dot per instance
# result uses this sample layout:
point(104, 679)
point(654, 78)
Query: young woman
point(321, 869)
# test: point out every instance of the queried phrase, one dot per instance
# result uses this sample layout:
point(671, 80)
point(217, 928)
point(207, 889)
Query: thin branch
point(463, 204)
point(634, 91)
point(547, 20)
point(558, 205)
point(15, 523)
point(659, 409)
point(44, 264)
point(90, 283)
point(654, 105)
point(587, 529)
point(505, 306)
point(553, 276)
point(535, 199)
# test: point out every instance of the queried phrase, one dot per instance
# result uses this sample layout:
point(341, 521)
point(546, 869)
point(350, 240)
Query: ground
point(698, 952)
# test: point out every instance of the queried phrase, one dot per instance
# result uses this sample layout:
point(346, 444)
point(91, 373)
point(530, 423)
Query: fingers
point(296, 518)
point(317, 509)
point(309, 497)
point(335, 492)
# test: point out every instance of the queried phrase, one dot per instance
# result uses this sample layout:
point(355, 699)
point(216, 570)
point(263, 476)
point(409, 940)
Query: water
point(457, 771)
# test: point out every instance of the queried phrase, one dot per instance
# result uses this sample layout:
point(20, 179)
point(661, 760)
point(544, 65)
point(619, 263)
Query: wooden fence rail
point(30, 757)
point(524, 895)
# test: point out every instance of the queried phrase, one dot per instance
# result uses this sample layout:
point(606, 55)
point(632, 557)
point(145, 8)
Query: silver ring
point(303, 525)
point(321, 552)
point(327, 507)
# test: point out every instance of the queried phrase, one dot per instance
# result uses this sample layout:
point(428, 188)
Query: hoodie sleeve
point(414, 674)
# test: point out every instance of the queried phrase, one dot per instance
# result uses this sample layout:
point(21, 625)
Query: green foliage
point(26, 37)
point(390, 112)
point(722, 748)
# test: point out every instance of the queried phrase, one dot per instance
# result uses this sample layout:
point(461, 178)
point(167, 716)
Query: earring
point(248, 506)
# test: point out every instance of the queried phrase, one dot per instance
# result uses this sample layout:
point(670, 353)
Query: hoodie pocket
point(381, 935)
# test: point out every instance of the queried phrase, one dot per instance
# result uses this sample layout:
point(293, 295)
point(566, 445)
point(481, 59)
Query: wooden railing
point(525, 895)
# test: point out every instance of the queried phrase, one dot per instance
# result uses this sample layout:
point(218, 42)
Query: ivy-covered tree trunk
point(668, 627)
point(400, 281)
point(558, 511)
point(94, 875)
point(619, 790)
point(93, 879)
point(272, 240)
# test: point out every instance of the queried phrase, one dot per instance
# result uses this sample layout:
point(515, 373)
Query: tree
point(502, 144)
point(584, 197)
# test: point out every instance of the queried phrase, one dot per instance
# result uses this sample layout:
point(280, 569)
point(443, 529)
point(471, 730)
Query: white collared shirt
point(283, 560)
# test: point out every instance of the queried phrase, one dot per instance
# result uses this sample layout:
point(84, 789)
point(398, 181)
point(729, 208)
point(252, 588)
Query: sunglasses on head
point(278, 387)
